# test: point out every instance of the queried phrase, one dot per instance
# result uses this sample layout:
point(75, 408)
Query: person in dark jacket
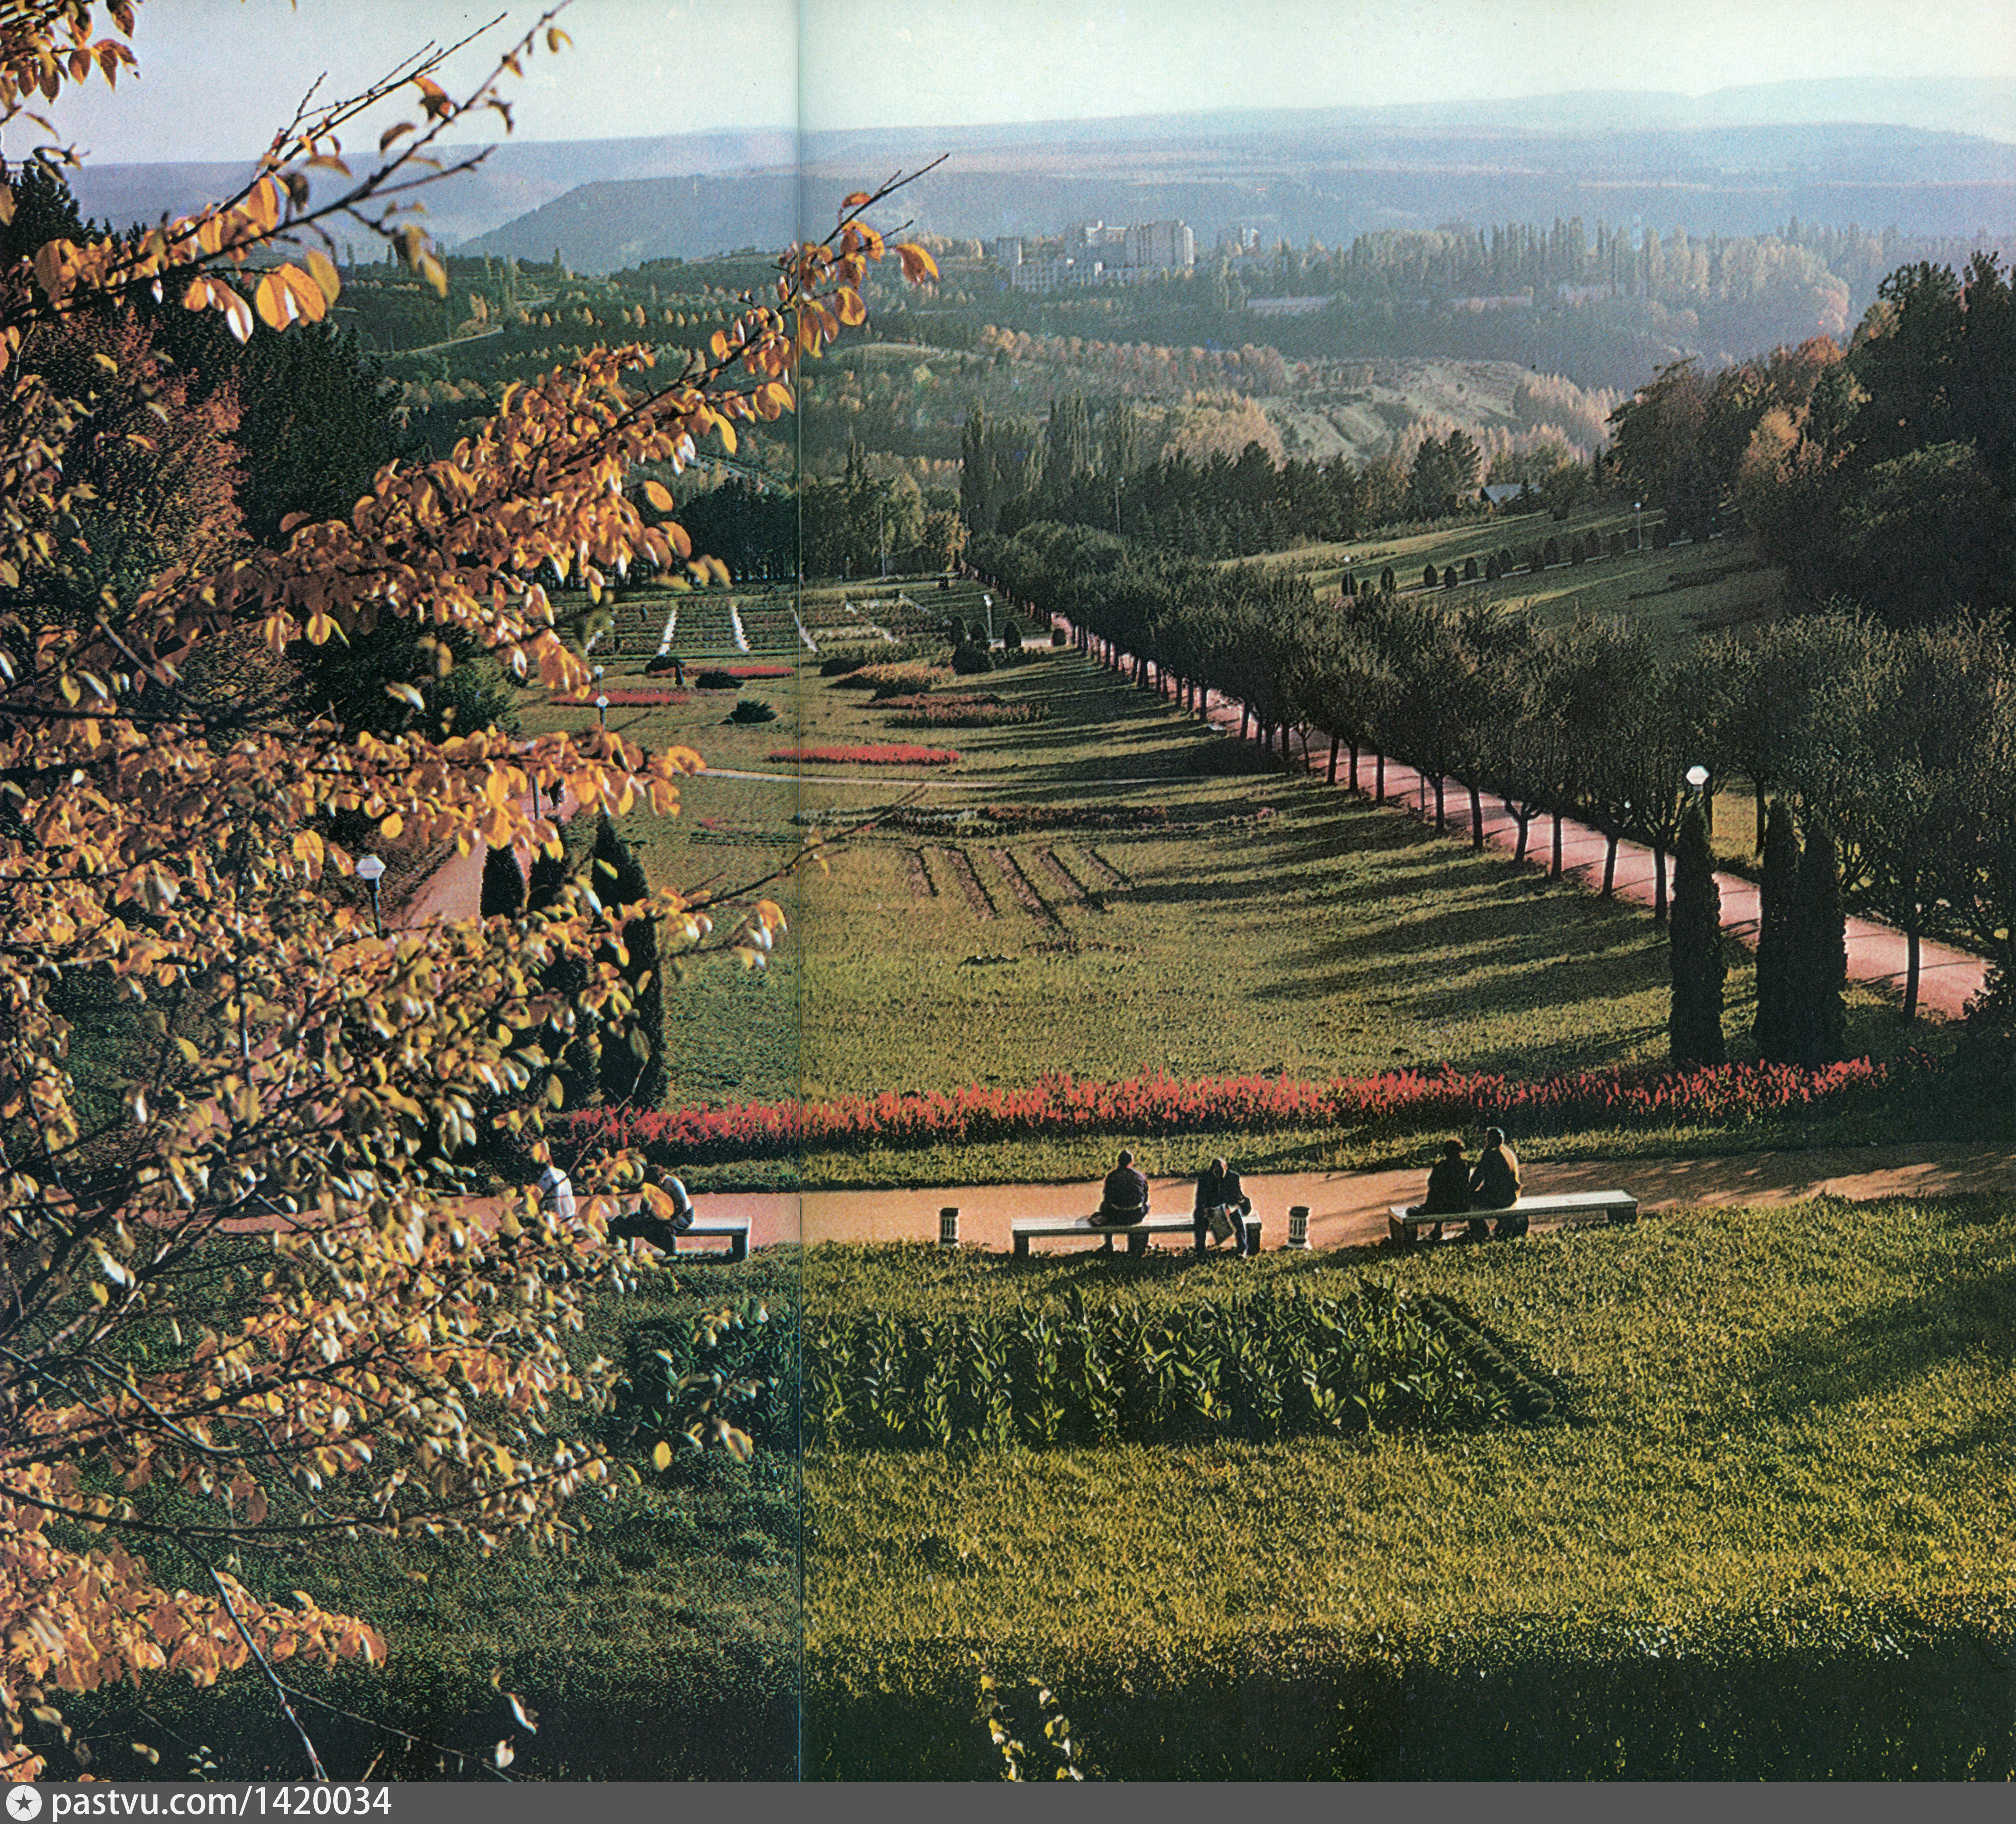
point(1124, 1201)
point(1448, 1187)
point(644, 1223)
point(1494, 1184)
point(1218, 1188)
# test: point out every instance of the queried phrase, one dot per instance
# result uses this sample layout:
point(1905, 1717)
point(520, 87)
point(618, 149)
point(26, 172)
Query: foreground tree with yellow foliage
point(241, 1303)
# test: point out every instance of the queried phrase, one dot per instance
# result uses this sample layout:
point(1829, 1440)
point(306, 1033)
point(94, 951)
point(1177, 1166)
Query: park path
point(453, 890)
point(1348, 1209)
point(1876, 954)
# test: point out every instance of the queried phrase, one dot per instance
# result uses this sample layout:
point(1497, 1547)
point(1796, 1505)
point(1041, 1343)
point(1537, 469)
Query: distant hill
point(1935, 158)
point(515, 178)
point(1299, 180)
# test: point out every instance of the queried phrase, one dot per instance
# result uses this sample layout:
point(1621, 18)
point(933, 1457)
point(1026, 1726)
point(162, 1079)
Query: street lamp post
point(1697, 779)
point(987, 603)
point(370, 870)
point(1638, 525)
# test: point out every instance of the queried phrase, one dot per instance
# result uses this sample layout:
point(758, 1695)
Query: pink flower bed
point(882, 754)
point(752, 670)
point(1395, 1101)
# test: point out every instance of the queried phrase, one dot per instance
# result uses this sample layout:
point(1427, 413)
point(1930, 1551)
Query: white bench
point(1027, 1228)
point(1572, 1209)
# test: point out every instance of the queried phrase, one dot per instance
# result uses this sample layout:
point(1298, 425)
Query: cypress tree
point(573, 1053)
point(1820, 1017)
point(503, 885)
point(1778, 940)
point(1695, 934)
point(619, 880)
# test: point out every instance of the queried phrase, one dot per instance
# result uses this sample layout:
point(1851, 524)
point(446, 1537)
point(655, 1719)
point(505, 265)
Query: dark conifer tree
point(573, 1054)
point(618, 880)
point(503, 885)
point(1699, 966)
point(1820, 1015)
point(1778, 940)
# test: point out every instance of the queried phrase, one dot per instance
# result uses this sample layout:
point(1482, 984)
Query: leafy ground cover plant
point(1089, 1371)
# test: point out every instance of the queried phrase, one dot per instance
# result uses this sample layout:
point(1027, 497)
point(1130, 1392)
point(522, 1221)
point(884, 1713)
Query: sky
point(218, 76)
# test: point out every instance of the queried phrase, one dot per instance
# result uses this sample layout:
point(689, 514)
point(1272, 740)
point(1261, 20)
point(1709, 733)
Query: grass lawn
point(1269, 924)
point(1776, 1422)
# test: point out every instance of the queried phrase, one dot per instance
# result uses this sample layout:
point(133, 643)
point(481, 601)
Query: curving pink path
point(1348, 1209)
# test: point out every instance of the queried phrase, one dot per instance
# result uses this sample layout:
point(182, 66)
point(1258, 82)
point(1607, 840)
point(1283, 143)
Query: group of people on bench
point(1124, 1202)
point(1456, 1187)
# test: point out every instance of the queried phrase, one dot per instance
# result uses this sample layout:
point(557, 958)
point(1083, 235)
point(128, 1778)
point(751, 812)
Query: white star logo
point(24, 1802)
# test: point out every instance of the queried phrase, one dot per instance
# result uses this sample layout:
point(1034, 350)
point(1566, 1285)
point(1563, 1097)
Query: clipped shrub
point(1428, 577)
point(1491, 571)
point(841, 666)
point(968, 661)
point(1387, 582)
point(751, 709)
point(1577, 552)
point(713, 679)
point(1011, 636)
point(1449, 577)
point(1057, 637)
point(1469, 569)
point(1506, 566)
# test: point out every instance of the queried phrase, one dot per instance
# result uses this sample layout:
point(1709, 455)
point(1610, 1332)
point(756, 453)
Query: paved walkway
point(1348, 1209)
point(1876, 954)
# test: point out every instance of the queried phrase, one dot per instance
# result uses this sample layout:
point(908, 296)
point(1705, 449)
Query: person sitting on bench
point(1218, 1189)
point(644, 1223)
point(1495, 1184)
point(1448, 1187)
point(1124, 1201)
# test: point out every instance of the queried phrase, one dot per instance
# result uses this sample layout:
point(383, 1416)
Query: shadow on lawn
point(1885, 1348)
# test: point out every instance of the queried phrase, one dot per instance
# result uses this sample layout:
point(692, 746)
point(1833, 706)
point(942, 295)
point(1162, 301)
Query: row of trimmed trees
point(1897, 746)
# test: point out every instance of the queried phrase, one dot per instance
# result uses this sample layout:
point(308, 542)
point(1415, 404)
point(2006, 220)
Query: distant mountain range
point(1927, 158)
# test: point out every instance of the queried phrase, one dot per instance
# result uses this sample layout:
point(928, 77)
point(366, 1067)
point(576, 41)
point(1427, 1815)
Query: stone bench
point(734, 1230)
point(1028, 1228)
point(1571, 1209)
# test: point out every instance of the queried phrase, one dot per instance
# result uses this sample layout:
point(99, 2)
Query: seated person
point(1125, 1199)
point(644, 1223)
point(1448, 1187)
point(1218, 1189)
point(1494, 1184)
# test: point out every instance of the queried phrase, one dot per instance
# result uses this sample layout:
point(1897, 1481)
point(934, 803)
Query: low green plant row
point(1529, 1399)
point(1258, 1367)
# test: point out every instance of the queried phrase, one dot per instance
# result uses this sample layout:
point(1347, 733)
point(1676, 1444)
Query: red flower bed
point(883, 753)
point(1394, 1101)
point(755, 670)
point(627, 696)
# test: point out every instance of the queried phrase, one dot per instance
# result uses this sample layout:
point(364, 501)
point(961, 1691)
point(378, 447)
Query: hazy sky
point(218, 75)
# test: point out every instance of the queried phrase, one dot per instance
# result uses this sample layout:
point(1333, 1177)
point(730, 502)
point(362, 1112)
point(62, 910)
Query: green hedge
point(1901, 1693)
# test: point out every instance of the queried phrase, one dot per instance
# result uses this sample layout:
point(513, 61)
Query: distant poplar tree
point(1820, 1015)
point(1699, 967)
point(1776, 1028)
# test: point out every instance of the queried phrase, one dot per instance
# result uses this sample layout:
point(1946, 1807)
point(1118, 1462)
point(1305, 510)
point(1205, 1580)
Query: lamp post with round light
point(370, 870)
point(1697, 779)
